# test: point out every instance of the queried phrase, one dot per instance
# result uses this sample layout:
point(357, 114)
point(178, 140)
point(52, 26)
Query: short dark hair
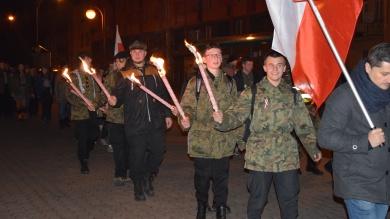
point(246, 59)
point(378, 54)
point(273, 54)
point(211, 46)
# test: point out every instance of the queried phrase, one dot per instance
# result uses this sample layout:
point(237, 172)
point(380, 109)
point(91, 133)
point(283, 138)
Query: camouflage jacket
point(277, 112)
point(203, 139)
point(86, 84)
point(114, 115)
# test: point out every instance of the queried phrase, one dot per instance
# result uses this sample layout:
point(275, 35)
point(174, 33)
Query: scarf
point(373, 97)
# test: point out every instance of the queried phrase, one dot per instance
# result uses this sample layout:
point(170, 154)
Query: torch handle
point(81, 95)
point(101, 85)
point(208, 88)
point(155, 96)
point(173, 96)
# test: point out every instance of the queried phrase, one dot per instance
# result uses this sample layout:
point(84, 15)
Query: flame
point(66, 75)
point(192, 48)
point(86, 67)
point(134, 79)
point(159, 63)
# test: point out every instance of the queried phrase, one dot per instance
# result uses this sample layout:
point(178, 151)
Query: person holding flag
point(361, 155)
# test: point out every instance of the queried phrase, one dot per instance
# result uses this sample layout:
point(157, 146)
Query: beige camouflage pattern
point(204, 141)
point(114, 115)
point(271, 146)
point(79, 110)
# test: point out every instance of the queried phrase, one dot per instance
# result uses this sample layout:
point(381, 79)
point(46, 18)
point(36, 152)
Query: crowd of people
point(26, 92)
point(258, 113)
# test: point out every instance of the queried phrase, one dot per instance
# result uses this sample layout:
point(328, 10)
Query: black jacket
point(358, 172)
point(142, 112)
point(257, 76)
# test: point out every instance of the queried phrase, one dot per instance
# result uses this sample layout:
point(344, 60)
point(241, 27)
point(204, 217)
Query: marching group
point(264, 116)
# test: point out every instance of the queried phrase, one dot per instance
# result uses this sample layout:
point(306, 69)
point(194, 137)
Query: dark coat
point(257, 76)
point(142, 113)
point(358, 172)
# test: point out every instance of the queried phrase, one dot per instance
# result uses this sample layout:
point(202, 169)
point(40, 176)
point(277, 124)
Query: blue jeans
point(359, 209)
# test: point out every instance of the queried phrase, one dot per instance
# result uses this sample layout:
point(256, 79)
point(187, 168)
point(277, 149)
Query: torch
point(92, 72)
point(159, 63)
point(199, 61)
point(74, 88)
point(155, 96)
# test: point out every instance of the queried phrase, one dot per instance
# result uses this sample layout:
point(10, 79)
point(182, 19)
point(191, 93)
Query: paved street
point(40, 178)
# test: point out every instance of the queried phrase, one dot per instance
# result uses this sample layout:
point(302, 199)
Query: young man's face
point(247, 66)
point(274, 67)
point(120, 63)
point(380, 76)
point(138, 55)
point(213, 58)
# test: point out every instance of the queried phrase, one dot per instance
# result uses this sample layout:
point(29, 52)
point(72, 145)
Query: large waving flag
point(118, 42)
point(298, 36)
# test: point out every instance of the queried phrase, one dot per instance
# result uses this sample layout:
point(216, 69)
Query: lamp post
point(91, 14)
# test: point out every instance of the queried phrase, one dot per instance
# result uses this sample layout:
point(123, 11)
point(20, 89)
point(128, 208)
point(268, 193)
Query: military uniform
point(116, 131)
point(209, 148)
point(86, 129)
point(271, 150)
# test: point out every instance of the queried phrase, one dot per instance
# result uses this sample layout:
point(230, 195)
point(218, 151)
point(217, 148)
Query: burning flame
point(86, 67)
point(159, 63)
point(66, 75)
point(192, 48)
point(134, 79)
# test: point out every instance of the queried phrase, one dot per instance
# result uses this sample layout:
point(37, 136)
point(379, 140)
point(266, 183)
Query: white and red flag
point(298, 36)
point(118, 42)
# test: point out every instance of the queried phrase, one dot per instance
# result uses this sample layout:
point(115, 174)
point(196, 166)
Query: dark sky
point(16, 39)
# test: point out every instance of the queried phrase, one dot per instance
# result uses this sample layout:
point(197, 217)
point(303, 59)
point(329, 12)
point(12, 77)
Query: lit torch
point(155, 96)
point(74, 88)
point(199, 61)
point(159, 63)
point(92, 72)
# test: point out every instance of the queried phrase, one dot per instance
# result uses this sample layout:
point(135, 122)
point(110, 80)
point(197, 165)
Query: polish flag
point(298, 36)
point(118, 42)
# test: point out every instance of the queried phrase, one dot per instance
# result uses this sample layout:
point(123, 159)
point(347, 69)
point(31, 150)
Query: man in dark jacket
point(361, 158)
point(246, 77)
point(145, 119)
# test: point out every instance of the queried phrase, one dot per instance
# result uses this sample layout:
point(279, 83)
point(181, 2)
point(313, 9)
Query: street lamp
point(11, 18)
point(91, 14)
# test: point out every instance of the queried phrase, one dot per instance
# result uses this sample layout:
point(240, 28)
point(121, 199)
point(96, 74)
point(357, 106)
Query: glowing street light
point(11, 18)
point(90, 14)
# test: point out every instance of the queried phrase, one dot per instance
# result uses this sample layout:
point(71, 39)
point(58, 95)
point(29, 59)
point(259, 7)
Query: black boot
point(221, 212)
point(84, 167)
point(139, 191)
point(201, 214)
point(148, 186)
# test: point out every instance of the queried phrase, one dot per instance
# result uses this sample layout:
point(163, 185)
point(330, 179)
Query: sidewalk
point(40, 178)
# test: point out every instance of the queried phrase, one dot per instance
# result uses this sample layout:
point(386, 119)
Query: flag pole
point(340, 62)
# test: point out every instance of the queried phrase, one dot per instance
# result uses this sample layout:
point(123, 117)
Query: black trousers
point(117, 138)
point(287, 189)
point(215, 170)
point(86, 132)
point(146, 153)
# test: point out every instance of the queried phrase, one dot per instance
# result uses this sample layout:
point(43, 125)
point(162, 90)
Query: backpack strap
point(248, 121)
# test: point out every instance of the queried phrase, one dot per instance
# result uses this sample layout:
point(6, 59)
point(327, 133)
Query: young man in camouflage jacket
point(271, 150)
point(84, 114)
point(210, 149)
point(115, 122)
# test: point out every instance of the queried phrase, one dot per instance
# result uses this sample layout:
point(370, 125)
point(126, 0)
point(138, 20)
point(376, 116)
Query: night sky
point(17, 39)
